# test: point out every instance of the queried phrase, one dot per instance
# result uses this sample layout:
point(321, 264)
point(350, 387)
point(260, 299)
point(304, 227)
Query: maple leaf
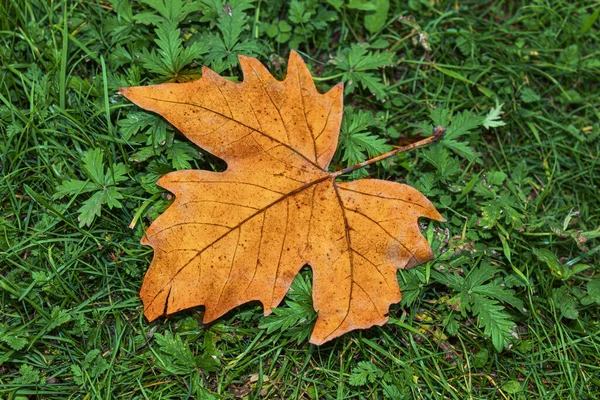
point(243, 234)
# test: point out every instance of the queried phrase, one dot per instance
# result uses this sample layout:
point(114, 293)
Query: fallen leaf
point(243, 234)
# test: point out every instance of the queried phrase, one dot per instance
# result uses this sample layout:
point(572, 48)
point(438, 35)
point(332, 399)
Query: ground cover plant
point(508, 309)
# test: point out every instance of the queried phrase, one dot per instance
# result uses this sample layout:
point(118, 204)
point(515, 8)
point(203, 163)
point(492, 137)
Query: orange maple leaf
point(242, 235)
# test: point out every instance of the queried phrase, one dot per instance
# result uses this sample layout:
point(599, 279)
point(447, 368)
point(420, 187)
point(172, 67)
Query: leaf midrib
point(237, 226)
point(287, 146)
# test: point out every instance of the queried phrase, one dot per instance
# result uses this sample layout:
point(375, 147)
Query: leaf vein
point(243, 124)
point(385, 230)
point(382, 197)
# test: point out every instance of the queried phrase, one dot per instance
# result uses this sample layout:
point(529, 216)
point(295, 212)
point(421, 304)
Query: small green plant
point(305, 21)
point(480, 293)
point(232, 40)
point(366, 372)
point(101, 182)
point(175, 356)
point(87, 371)
point(171, 57)
point(297, 318)
point(362, 68)
point(359, 140)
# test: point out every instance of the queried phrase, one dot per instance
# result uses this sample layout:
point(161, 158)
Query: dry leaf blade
point(243, 234)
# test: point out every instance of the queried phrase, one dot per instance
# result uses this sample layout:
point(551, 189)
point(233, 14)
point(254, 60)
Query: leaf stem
point(438, 132)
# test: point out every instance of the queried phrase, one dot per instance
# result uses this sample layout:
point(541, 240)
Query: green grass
point(520, 247)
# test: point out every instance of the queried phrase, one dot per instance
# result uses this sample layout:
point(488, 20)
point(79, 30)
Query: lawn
point(508, 309)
